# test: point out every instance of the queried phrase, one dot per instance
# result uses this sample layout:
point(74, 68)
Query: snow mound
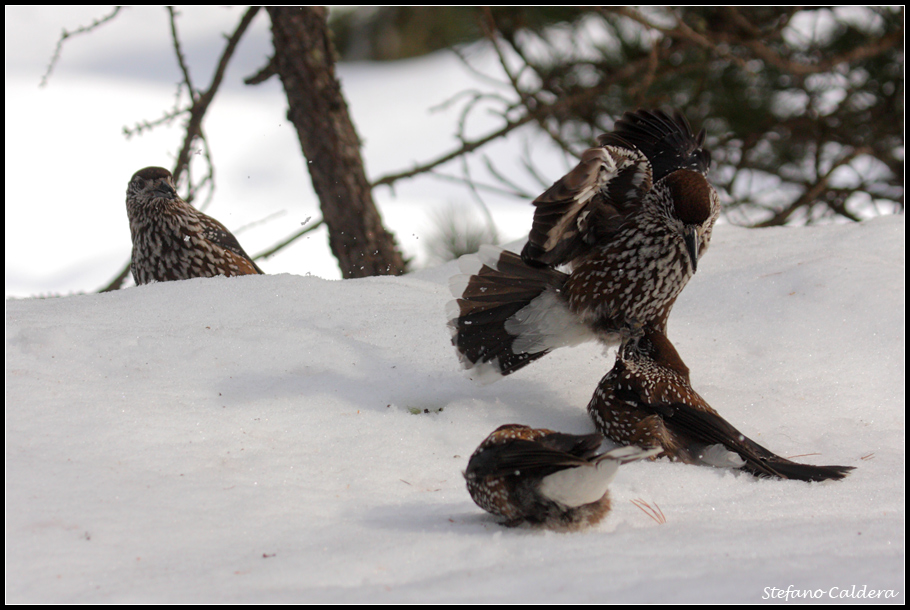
point(290, 439)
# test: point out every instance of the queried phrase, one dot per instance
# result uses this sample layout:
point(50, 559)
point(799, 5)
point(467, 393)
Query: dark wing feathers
point(502, 291)
point(583, 446)
point(665, 139)
point(711, 429)
point(538, 458)
point(217, 233)
point(589, 204)
point(586, 205)
point(492, 296)
point(707, 428)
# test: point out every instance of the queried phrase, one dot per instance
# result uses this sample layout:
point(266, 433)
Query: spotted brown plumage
point(647, 400)
point(174, 241)
point(545, 478)
point(612, 245)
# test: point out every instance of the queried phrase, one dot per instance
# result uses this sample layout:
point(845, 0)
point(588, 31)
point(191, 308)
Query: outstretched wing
point(587, 205)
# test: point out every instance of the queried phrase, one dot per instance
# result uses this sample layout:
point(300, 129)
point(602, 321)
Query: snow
point(289, 439)
point(253, 439)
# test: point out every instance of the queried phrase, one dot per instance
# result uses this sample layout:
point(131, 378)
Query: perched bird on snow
point(172, 240)
point(646, 400)
point(629, 225)
point(545, 478)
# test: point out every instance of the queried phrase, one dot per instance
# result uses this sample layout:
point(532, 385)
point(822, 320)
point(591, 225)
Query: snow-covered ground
point(291, 439)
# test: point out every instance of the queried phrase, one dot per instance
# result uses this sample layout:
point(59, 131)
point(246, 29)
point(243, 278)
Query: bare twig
point(265, 73)
point(488, 216)
point(148, 126)
point(81, 30)
point(181, 60)
point(287, 242)
point(117, 282)
point(812, 193)
point(516, 190)
point(682, 30)
point(875, 47)
point(466, 147)
point(490, 188)
point(637, 91)
point(201, 102)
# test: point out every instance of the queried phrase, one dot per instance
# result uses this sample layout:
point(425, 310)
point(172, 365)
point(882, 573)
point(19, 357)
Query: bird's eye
point(139, 182)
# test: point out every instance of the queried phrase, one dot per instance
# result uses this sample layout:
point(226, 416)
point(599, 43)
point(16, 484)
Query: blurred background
point(465, 114)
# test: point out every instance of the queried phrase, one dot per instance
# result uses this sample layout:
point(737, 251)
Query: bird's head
point(694, 207)
point(150, 184)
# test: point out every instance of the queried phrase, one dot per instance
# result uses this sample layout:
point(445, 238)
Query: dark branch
point(265, 73)
point(117, 282)
point(465, 148)
point(201, 103)
point(287, 242)
point(81, 30)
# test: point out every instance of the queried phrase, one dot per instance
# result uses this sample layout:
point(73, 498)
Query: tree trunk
point(305, 61)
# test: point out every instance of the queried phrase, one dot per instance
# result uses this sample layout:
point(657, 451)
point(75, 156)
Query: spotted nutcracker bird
point(545, 478)
point(647, 400)
point(629, 224)
point(172, 240)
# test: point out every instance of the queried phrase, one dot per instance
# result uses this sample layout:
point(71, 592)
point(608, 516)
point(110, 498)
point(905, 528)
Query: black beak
point(690, 236)
point(165, 190)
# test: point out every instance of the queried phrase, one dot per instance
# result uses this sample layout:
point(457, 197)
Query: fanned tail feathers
point(507, 313)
